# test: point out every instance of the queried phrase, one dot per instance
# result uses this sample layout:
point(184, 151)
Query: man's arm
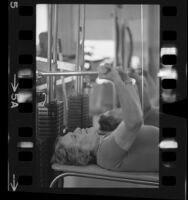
point(151, 115)
point(127, 131)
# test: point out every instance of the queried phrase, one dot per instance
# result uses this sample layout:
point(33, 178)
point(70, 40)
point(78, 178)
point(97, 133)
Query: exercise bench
point(139, 179)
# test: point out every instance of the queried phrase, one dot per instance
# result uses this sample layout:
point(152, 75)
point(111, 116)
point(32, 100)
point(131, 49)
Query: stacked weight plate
point(78, 111)
point(85, 111)
point(90, 121)
point(50, 119)
point(49, 125)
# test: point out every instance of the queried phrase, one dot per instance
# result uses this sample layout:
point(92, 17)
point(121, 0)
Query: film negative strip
point(48, 95)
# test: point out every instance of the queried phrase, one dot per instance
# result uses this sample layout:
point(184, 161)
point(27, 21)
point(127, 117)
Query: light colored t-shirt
point(143, 155)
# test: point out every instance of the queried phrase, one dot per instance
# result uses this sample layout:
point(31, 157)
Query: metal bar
point(123, 46)
point(49, 79)
point(56, 64)
point(65, 100)
point(78, 52)
point(55, 33)
point(131, 49)
point(115, 36)
point(104, 177)
point(83, 34)
point(67, 73)
point(122, 35)
point(142, 56)
point(54, 68)
point(82, 46)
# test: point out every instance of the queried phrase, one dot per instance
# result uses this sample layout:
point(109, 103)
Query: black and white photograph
point(97, 95)
point(96, 100)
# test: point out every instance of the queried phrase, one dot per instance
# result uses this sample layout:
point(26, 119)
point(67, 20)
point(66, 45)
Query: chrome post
point(55, 50)
point(78, 73)
point(77, 81)
point(49, 79)
point(82, 46)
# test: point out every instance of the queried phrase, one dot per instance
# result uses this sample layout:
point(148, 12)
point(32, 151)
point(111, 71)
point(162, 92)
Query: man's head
point(76, 148)
point(110, 120)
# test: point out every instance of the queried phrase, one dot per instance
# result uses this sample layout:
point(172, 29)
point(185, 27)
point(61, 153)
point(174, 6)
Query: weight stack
point(90, 121)
point(78, 112)
point(49, 126)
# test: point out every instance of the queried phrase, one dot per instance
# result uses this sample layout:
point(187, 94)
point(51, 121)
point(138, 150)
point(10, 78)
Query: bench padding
point(96, 170)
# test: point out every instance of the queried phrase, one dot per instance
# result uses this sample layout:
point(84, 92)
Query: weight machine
point(72, 112)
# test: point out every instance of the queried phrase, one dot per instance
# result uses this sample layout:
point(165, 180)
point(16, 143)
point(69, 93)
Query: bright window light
point(100, 49)
point(41, 20)
point(135, 62)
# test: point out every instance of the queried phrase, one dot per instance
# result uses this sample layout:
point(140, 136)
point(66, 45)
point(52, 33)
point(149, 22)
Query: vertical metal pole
point(49, 79)
point(78, 52)
point(123, 47)
point(55, 64)
point(119, 62)
point(83, 40)
point(65, 100)
point(142, 53)
point(116, 46)
point(121, 38)
point(115, 36)
point(55, 49)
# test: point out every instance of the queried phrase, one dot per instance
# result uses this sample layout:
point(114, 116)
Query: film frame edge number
point(14, 86)
point(13, 4)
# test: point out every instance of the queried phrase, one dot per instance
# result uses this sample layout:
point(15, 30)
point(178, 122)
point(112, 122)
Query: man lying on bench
point(132, 146)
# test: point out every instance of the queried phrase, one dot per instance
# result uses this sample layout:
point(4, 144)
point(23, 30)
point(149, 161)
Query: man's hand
point(107, 71)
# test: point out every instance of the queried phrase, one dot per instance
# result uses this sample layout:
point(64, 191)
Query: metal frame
point(49, 79)
point(54, 66)
point(80, 47)
point(77, 82)
point(79, 73)
point(119, 36)
point(103, 177)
